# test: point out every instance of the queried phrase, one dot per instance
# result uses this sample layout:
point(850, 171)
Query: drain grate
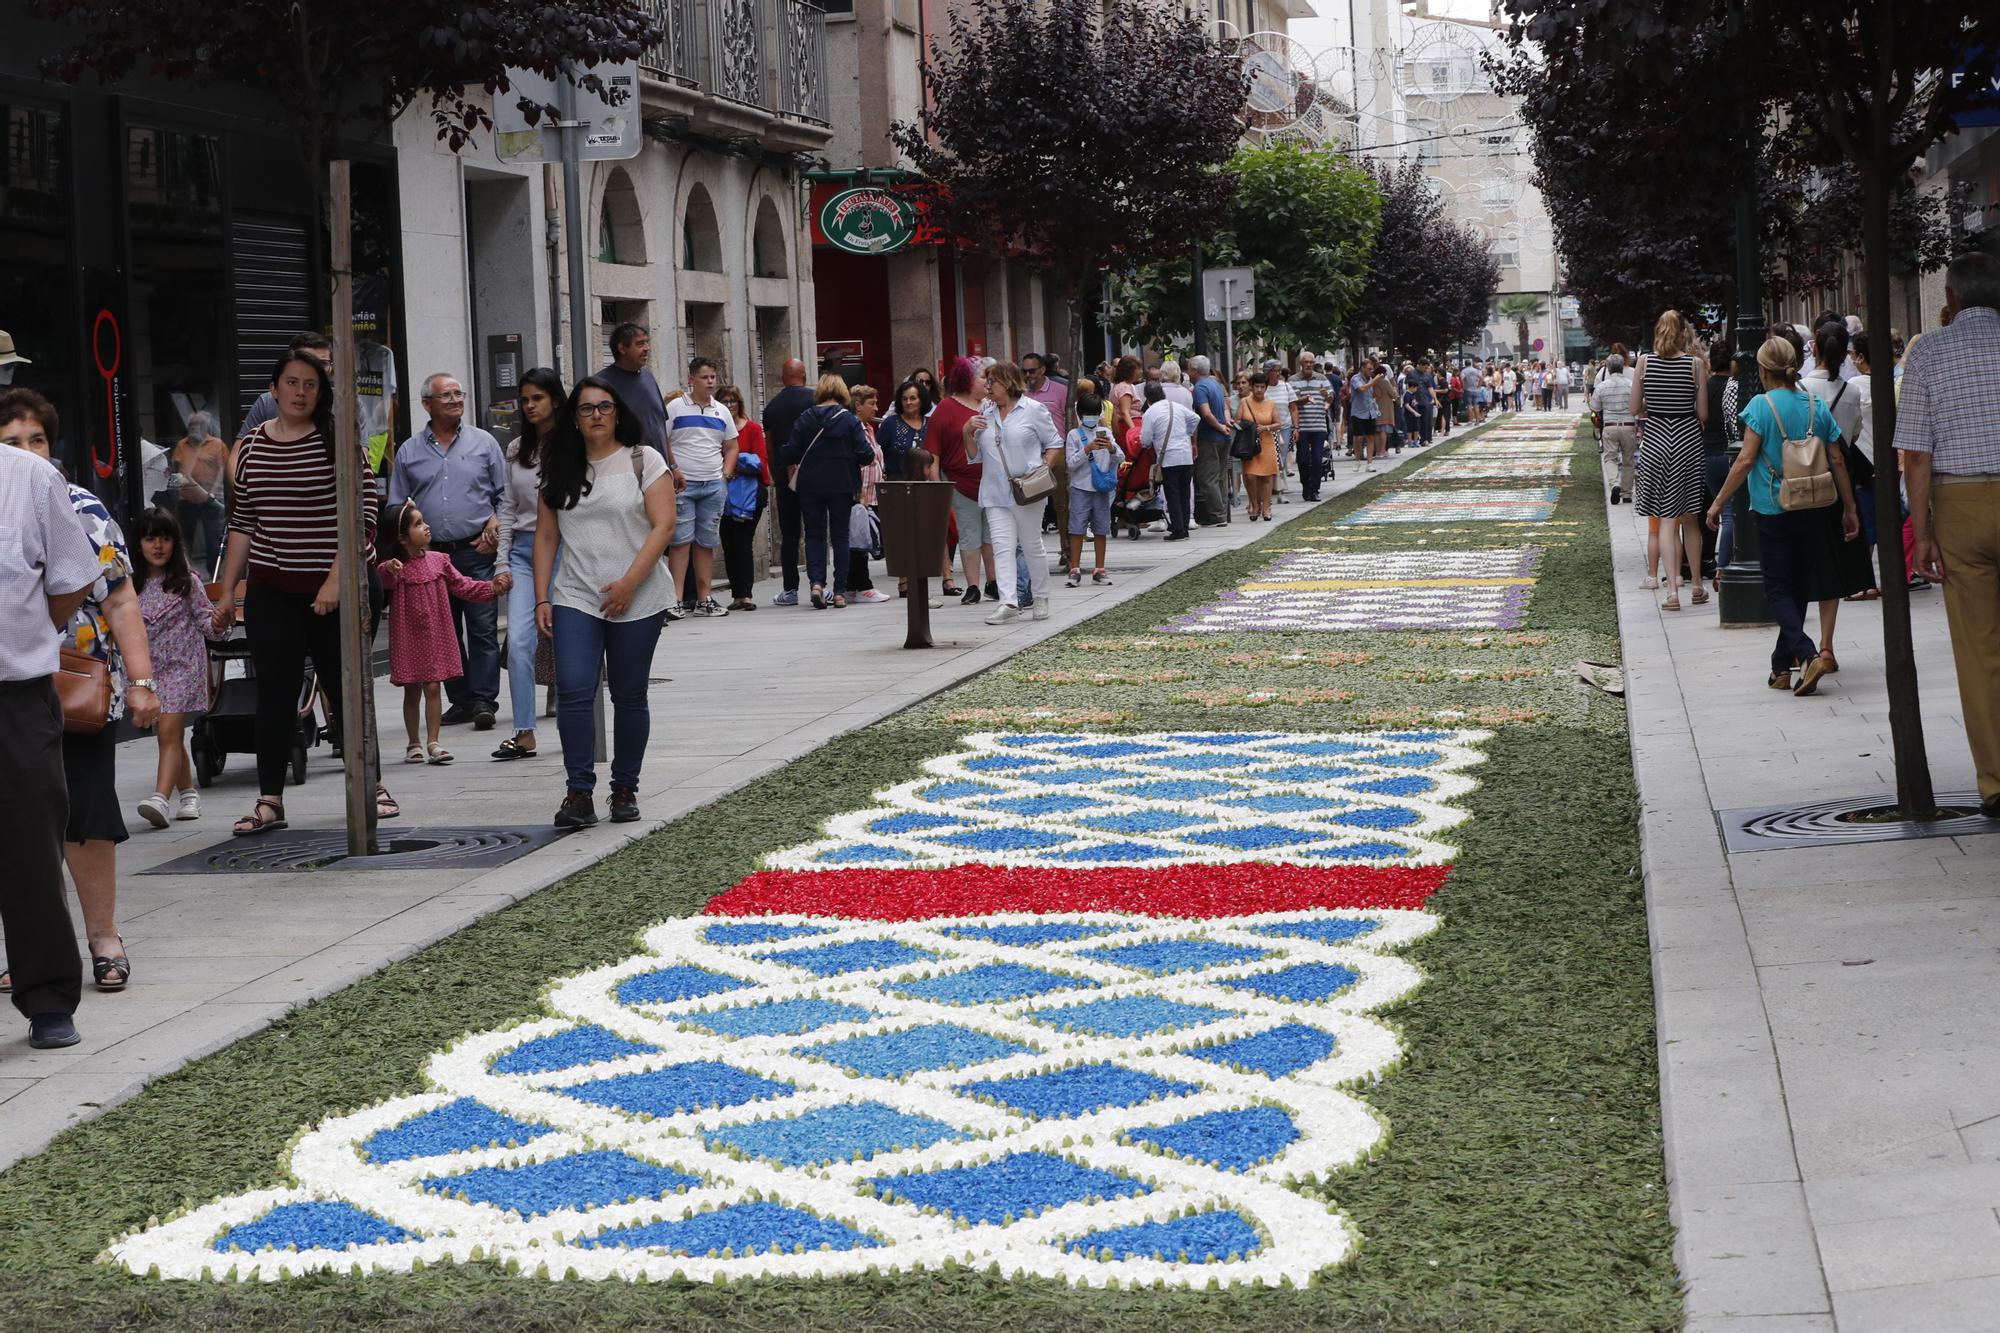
point(326, 849)
point(1831, 823)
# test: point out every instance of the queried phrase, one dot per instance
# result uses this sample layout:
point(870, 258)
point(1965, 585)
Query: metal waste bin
point(916, 523)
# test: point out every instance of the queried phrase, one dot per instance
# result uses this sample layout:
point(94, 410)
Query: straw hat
point(8, 356)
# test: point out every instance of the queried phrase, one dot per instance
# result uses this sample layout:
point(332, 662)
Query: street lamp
point(1742, 579)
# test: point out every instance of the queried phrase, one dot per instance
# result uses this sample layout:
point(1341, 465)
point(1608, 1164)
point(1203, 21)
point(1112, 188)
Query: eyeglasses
point(596, 409)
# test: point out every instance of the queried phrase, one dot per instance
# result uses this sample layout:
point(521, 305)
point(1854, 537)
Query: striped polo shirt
point(697, 431)
point(285, 501)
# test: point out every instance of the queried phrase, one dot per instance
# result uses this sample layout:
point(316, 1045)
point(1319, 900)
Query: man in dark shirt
point(780, 415)
point(627, 373)
point(1426, 400)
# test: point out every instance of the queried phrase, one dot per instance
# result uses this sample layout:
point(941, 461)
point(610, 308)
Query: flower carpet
point(1413, 589)
point(1505, 467)
point(1521, 504)
point(1237, 979)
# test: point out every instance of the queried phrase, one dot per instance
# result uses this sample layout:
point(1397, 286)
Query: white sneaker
point(1006, 615)
point(1041, 608)
point(154, 810)
point(190, 807)
point(871, 596)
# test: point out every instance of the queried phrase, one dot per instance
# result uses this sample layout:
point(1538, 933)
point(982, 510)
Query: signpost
point(1229, 294)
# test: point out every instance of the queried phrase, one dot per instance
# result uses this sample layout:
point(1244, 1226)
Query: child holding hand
point(423, 647)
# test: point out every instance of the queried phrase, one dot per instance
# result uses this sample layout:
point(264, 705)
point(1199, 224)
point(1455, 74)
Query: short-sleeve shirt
point(699, 432)
point(1208, 393)
point(602, 533)
point(1311, 393)
point(1280, 396)
point(44, 552)
point(1364, 407)
point(944, 440)
point(640, 393)
point(1797, 412)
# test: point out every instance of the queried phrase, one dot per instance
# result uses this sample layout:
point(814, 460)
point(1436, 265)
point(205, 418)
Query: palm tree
point(1522, 307)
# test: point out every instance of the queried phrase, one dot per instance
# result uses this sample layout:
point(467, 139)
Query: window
point(621, 233)
point(701, 237)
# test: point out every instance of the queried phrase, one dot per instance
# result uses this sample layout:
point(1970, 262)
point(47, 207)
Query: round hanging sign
point(868, 221)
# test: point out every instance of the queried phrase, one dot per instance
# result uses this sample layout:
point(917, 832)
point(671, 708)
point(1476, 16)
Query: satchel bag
point(84, 685)
point(1247, 441)
point(1103, 475)
point(1032, 485)
point(1807, 481)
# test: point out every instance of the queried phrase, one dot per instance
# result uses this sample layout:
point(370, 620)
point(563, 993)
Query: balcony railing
point(769, 54)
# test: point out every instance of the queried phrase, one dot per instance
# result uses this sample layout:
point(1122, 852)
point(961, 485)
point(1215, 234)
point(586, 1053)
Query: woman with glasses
point(608, 503)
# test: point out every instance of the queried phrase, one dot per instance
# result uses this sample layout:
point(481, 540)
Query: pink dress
point(422, 644)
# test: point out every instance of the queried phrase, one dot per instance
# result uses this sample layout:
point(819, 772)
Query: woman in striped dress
point(1670, 403)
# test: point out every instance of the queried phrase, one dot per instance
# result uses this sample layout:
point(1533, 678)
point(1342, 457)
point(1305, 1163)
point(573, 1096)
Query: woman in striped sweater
point(284, 527)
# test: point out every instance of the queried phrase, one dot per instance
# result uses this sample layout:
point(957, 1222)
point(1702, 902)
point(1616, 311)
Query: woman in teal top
point(1802, 556)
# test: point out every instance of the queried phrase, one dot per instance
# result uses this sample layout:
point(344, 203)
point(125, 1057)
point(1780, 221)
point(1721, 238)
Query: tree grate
point(1846, 820)
point(326, 849)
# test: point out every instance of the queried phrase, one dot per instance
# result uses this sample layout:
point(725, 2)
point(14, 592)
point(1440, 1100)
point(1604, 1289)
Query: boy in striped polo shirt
point(701, 439)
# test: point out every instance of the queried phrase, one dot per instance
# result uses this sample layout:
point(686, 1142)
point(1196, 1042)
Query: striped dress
point(1671, 470)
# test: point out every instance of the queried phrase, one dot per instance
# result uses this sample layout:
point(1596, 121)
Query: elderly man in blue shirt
point(457, 473)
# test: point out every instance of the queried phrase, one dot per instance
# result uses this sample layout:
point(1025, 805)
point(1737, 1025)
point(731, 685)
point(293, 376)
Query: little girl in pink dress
point(423, 646)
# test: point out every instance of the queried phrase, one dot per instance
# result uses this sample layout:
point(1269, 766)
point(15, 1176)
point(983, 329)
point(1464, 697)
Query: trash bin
point(916, 522)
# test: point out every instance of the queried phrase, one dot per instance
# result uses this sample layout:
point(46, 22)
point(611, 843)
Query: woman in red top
point(944, 440)
point(753, 460)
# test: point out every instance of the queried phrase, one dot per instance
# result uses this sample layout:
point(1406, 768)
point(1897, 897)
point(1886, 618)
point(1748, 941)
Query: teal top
point(1799, 413)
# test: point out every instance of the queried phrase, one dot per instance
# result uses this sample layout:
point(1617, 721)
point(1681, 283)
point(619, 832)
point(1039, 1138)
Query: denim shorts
point(1089, 509)
point(698, 513)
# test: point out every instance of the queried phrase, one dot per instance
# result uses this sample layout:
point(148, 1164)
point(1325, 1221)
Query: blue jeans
point(625, 648)
point(1785, 550)
point(521, 634)
point(1725, 532)
point(477, 625)
point(826, 517)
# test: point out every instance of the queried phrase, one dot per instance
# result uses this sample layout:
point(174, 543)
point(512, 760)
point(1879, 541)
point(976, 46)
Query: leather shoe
point(1991, 809)
point(47, 1032)
point(456, 715)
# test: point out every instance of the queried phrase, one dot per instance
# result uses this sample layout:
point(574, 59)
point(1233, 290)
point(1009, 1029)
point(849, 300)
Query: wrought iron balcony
point(769, 54)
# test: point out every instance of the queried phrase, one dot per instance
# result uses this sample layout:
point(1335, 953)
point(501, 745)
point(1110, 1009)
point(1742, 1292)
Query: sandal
point(839, 602)
point(385, 804)
point(951, 589)
point(102, 966)
point(1865, 595)
point(513, 749)
point(1700, 595)
point(1832, 663)
point(255, 822)
point(6, 983)
point(413, 754)
point(1672, 603)
point(818, 598)
point(437, 754)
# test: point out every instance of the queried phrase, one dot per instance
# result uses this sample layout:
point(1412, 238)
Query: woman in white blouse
point(1012, 436)
point(542, 396)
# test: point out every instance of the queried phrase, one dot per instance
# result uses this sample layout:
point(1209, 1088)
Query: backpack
point(1807, 481)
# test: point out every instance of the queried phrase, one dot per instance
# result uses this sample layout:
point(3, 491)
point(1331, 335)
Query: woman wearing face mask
point(542, 397)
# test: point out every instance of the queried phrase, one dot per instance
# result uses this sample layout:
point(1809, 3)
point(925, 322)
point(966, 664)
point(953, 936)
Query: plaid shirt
point(1950, 400)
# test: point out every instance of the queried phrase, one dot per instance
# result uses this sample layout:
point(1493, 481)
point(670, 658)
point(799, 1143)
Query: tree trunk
point(1906, 723)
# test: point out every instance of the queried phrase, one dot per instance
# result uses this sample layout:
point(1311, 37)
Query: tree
point(1079, 134)
point(326, 66)
point(1304, 218)
point(1522, 307)
point(1868, 75)
point(1429, 280)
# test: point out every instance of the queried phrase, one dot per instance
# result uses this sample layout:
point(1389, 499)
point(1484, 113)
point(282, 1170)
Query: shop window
point(701, 237)
point(36, 304)
point(621, 234)
point(767, 243)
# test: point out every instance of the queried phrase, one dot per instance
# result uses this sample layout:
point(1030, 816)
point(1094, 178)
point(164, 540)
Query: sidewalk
point(1829, 1017)
point(216, 957)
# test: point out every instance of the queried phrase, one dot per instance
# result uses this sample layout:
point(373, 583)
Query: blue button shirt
point(458, 488)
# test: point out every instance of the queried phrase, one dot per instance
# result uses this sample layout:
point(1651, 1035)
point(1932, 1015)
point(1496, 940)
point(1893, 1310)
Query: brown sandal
point(1672, 603)
point(255, 823)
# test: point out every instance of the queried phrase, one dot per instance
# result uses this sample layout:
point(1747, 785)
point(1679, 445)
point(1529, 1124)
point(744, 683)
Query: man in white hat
point(9, 358)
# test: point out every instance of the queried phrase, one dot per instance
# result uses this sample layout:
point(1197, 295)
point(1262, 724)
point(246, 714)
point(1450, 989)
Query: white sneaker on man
point(1006, 615)
point(871, 596)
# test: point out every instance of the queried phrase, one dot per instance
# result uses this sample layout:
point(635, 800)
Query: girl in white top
point(607, 502)
point(1012, 435)
point(542, 397)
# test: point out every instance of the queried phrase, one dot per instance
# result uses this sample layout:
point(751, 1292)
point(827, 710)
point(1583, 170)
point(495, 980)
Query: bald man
point(780, 415)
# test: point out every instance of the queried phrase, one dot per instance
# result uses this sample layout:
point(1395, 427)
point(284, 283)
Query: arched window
point(701, 237)
point(621, 237)
point(767, 243)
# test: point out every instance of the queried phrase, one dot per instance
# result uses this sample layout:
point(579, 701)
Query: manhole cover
point(326, 849)
point(1847, 820)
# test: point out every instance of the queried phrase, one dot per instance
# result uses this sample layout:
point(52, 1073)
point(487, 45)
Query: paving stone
point(1907, 1251)
point(1943, 1307)
point(1748, 1250)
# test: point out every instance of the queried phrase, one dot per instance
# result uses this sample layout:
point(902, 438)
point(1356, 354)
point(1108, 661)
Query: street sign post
point(1229, 294)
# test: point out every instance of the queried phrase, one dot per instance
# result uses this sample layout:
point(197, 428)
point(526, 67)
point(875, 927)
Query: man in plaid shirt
point(1948, 432)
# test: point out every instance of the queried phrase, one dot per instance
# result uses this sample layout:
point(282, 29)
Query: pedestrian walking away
point(780, 415)
point(823, 460)
point(608, 503)
point(457, 474)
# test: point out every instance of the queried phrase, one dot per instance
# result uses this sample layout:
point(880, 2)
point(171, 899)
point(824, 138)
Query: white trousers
point(1013, 528)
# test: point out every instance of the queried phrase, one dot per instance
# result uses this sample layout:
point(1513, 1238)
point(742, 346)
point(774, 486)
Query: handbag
point(1807, 481)
point(1033, 484)
point(1103, 475)
point(792, 472)
point(1247, 441)
point(84, 685)
point(1860, 471)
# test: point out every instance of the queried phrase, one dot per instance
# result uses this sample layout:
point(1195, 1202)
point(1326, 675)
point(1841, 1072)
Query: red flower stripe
point(1194, 891)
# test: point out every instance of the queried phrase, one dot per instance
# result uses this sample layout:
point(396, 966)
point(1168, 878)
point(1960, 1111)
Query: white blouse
point(1025, 434)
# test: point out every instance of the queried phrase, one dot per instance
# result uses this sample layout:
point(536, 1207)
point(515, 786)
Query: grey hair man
point(1617, 434)
point(1211, 446)
point(1174, 383)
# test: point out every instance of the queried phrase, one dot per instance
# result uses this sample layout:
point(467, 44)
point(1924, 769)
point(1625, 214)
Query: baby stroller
point(229, 726)
point(1137, 501)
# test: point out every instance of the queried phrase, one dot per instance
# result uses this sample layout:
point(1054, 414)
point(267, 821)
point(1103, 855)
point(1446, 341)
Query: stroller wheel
point(208, 759)
point(299, 759)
